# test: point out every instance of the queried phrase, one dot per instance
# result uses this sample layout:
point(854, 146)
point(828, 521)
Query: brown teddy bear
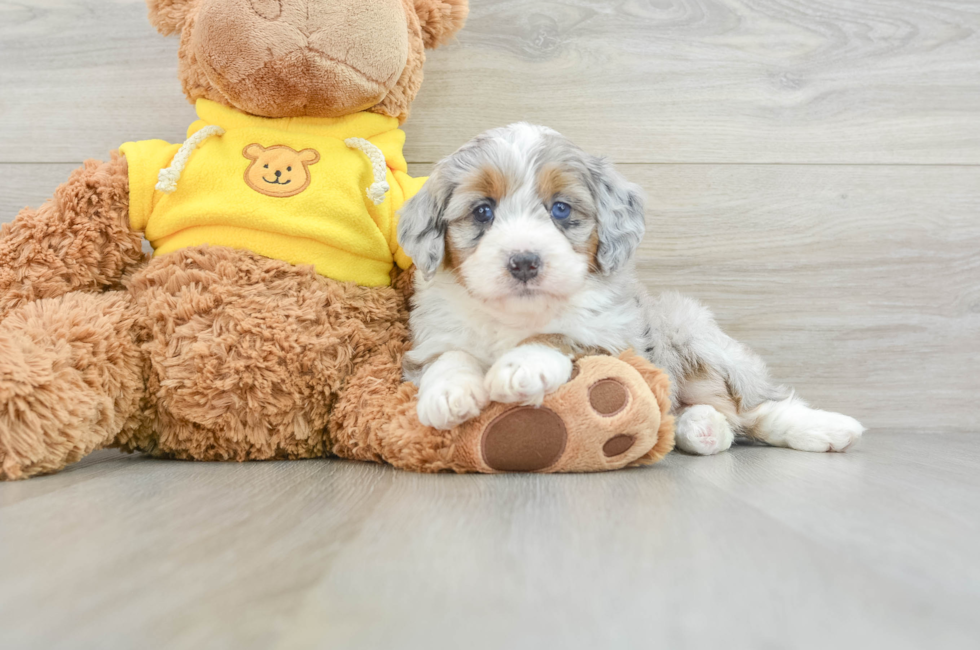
point(267, 324)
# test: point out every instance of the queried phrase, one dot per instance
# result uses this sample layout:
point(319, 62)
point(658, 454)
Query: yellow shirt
point(289, 189)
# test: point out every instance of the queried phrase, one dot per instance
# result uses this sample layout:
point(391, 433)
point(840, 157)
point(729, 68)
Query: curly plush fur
point(71, 379)
point(79, 240)
point(211, 353)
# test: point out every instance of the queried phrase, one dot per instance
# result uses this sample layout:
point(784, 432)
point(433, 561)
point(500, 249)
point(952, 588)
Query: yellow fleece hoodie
point(289, 189)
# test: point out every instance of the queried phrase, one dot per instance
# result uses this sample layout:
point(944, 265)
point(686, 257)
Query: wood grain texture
point(718, 80)
point(859, 285)
point(881, 81)
point(754, 548)
point(29, 185)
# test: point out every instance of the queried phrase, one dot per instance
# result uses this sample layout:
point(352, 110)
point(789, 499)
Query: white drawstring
point(170, 175)
point(380, 186)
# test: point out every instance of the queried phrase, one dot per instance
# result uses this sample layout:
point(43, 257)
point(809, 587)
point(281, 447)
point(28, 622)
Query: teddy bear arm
point(79, 240)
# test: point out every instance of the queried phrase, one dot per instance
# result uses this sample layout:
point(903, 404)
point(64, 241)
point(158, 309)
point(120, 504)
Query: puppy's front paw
point(526, 374)
point(452, 400)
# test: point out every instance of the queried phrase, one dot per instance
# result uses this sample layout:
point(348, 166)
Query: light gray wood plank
point(889, 81)
point(80, 77)
point(29, 185)
point(717, 80)
point(753, 548)
point(857, 284)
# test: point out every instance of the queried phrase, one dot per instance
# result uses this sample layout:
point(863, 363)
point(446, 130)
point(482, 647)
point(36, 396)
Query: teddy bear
point(271, 320)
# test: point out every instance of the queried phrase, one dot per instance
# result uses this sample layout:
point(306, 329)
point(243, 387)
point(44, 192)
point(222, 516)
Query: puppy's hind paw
point(824, 431)
point(703, 431)
point(791, 423)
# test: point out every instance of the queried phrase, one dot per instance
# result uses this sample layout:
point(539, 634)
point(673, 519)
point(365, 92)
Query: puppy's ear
point(440, 19)
point(619, 208)
point(422, 226)
point(168, 16)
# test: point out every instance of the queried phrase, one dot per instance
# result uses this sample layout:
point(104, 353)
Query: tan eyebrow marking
point(489, 182)
point(552, 180)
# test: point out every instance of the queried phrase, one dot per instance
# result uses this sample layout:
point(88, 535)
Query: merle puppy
point(523, 245)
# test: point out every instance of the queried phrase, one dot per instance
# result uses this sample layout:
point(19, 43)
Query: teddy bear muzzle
point(283, 58)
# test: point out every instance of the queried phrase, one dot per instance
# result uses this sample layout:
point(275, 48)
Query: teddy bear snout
point(268, 9)
point(288, 58)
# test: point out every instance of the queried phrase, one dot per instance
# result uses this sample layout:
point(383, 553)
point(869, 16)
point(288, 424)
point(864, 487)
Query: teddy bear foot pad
point(609, 419)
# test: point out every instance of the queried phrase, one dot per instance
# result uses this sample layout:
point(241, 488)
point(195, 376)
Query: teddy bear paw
point(604, 418)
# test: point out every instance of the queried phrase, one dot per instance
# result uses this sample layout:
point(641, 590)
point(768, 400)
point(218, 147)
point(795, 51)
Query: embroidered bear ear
point(440, 19)
point(309, 156)
point(253, 151)
point(168, 16)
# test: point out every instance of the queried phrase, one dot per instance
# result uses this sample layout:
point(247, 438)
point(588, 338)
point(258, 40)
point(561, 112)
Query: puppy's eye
point(483, 213)
point(560, 210)
point(266, 166)
point(289, 169)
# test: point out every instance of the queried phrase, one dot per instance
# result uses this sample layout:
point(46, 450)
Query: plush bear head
point(318, 58)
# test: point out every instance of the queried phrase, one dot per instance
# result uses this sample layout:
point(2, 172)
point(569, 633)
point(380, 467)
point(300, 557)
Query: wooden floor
point(755, 548)
point(813, 172)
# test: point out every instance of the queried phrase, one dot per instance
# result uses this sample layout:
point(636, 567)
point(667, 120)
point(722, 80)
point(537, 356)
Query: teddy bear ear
point(168, 15)
point(440, 19)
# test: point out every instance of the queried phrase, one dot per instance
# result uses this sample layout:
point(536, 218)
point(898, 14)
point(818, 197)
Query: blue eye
point(560, 210)
point(483, 213)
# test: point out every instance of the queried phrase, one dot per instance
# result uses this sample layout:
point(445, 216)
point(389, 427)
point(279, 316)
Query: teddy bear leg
point(613, 413)
point(80, 240)
point(71, 378)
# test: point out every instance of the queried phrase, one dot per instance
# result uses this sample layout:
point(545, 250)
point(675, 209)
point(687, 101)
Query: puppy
point(523, 245)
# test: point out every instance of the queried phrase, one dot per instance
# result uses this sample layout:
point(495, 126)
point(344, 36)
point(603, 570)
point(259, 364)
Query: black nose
point(278, 173)
point(524, 266)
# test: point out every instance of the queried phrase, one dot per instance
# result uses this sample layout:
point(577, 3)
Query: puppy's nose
point(278, 173)
point(524, 266)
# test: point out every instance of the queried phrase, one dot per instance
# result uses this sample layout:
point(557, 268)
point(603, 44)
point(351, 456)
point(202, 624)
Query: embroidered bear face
point(279, 171)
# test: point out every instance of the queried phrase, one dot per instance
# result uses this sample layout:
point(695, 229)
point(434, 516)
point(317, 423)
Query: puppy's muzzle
point(524, 266)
